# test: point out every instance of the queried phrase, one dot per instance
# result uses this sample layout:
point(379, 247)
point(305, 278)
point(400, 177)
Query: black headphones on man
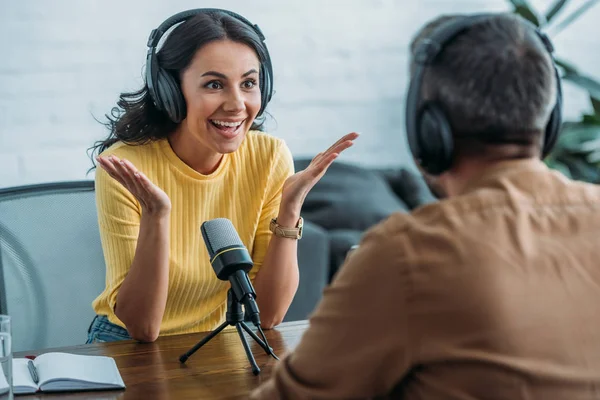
point(164, 89)
point(427, 127)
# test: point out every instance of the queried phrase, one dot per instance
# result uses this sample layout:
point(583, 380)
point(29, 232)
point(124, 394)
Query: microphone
point(231, 261)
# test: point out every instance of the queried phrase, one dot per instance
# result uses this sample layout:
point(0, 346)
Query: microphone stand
point(235, 316)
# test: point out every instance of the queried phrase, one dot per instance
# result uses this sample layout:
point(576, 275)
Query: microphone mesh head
point(219, 233)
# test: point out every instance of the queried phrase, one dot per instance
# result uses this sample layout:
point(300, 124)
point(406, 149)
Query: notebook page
point(22, 380)
point(78, 368)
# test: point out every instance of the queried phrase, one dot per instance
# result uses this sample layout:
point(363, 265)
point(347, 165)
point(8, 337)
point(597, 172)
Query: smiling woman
point(185, 149)
point(223, 99)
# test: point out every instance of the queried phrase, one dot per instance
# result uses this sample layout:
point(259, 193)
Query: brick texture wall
point(340, 66)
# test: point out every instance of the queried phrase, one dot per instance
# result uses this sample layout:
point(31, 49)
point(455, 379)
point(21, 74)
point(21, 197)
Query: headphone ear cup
point(555, 122)
point(264, 96)
point(170, 98)
point(265, 85)
point(552, 133)
point(435, 139)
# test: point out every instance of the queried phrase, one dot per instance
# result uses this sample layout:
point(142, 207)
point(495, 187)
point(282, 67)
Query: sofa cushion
point(341, 240)
point(349, 197)
point(411, 187)
point(313, 264)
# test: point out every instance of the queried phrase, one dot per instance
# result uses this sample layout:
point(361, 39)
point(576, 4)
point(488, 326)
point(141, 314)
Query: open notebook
point(62, 372)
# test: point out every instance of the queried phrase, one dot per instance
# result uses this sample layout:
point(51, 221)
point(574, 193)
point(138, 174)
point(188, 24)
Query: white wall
point(340, 66)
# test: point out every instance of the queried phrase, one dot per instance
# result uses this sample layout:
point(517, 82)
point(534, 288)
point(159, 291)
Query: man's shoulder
point(491, 208)
point(569, 192)
point(436, 214)
point(435, 223)
point(442, 211)
point(397, 231)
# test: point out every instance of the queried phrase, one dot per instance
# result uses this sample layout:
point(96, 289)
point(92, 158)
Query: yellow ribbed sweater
point(245, 188)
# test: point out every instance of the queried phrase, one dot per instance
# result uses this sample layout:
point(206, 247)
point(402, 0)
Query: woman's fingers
point(318, 167)
point(326, 158)
point(134, 174)
point(340, 145)
point(109, 167)
point(126, 175)
point(324, 163)
point(151, 197)
point(119, 170)
point(348, 138)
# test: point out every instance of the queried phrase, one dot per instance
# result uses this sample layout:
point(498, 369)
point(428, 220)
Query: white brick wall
point(340, 65)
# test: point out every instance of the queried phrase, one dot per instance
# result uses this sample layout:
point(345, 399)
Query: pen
point(33, 372)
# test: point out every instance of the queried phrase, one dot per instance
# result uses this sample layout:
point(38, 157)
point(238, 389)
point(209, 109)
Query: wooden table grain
point(218, 370)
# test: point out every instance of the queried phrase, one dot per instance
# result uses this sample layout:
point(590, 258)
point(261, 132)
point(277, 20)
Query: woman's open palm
point(152, 198)
point(297, 186)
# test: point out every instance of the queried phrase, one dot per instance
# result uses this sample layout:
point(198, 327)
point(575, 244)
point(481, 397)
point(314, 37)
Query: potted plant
point(577, 151)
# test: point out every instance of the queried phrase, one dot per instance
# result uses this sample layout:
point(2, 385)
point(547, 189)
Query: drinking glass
point(6, 392)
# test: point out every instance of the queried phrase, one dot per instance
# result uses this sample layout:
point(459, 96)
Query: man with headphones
point(491, 292)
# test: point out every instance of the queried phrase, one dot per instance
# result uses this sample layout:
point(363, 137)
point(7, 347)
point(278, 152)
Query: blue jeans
point(102, 330)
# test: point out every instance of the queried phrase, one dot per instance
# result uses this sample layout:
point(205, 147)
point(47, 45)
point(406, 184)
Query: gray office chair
point(51, 262)
point(52, 266)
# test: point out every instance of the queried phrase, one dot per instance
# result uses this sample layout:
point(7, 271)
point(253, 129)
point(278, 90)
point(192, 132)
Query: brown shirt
point(494, 294)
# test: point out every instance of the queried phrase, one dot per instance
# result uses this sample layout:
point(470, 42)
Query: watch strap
point(286, 232)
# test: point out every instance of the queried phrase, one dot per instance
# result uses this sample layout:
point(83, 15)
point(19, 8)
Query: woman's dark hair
point(136, 120)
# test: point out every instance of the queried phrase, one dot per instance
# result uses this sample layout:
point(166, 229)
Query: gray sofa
point(346, 202)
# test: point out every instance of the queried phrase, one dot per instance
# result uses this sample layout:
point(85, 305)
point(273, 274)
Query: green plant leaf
point(561, 167)
point(568, 20)
point(577, 151)
point(596, 106)
point(577, 139)
point(582, 170)
point(594, 158)
point(567, 67)
point(591, 119)
point(555, 9)
point(525, 10)
point(584, 82)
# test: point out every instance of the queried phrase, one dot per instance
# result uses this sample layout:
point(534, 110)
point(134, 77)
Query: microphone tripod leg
point(201, 343)
point(262, 343)
point(255, 369)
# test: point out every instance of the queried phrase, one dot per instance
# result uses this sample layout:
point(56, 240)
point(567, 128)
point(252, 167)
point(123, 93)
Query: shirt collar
point(504, 169)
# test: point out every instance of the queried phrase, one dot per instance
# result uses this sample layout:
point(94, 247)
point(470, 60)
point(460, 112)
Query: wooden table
point(218, 370)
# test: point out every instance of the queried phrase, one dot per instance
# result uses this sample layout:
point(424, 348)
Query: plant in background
point(577, 151)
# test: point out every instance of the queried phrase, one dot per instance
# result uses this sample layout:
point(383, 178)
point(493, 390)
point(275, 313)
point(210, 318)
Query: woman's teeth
point(226, 124)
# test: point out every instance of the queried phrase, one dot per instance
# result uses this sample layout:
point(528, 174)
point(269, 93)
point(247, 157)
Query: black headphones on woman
point(427, 127)
point(163, 87)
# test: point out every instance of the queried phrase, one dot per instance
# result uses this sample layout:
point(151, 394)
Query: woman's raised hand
point(154, 200)
point(297, 186)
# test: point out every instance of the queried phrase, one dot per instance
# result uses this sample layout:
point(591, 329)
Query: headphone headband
point(164, 90)
point(182, 16)
point(428, 128)
point(430, 47)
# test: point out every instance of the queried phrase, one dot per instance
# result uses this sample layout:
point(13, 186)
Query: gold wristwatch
point(290, 233)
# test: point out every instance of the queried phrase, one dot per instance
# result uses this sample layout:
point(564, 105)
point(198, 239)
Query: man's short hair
point(495, 81)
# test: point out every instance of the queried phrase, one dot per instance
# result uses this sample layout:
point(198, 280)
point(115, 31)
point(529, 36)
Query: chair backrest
point(51, 262)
